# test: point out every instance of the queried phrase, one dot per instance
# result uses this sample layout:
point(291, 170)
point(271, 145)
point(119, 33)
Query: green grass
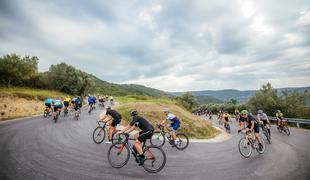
point(152, 110)
point(29, 94)
point(134, 98)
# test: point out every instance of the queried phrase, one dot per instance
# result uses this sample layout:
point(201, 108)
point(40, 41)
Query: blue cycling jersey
point(91, 100)
point(49, 101)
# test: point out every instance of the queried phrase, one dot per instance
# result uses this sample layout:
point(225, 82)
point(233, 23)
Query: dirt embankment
point(14, 107)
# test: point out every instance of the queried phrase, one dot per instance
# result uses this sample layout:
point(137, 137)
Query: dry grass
point(13, 107)
point(192, 125)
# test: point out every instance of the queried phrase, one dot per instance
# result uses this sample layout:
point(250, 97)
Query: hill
point(152, 109)
point(240, 96)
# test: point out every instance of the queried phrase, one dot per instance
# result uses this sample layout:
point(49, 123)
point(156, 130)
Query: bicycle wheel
point(182, 141)
point(118, 155)
point(158, 139)
point(286, 130)
point(279, 129)
point(98, 135)
point(267, 136)
point(245, 148)
point(155, 159)
point(261, 150)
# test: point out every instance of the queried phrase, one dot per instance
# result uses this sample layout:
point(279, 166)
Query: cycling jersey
point(78, 102)
point(262, 116)
point(279, 115)
point(172, 118)
point(114, 114)
point(251, 119)
point(142, 123)
point(49, 101)
point(67, 99)
point(91, 100)
point(58, 103)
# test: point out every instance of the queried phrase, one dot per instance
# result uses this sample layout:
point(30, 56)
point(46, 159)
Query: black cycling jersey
point(114, 114)
point(142, 123)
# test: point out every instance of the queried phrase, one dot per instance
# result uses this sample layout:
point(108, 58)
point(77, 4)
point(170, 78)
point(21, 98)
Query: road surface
point(37, 148)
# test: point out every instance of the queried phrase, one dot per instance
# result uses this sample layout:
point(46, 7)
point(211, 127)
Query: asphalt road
point(39, 149)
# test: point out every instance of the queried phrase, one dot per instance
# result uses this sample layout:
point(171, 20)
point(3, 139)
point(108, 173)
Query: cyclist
point(57, 106)
point(67, 101)
point(48, 103)
point(113, 118)
point(237, 114)
point(78, 104)
point(253, 124)
point(279, 116)
point(146, 133)
point(226, 117)
point(111, 100)
point(264, 118)
point(91, 102)
point(175, 124)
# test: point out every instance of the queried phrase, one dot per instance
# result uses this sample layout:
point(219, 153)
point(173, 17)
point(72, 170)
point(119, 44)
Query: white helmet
point(166, 110)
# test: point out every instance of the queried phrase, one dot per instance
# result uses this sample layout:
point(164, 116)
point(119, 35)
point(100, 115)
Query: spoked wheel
point(261, 150)
point(155, 159)
point(267, 136)
point(45, 113)
point(98, 135)
point(280, 128)
point(118, 138)
point(118, 155)
point(182, 141)
point(245, 148)
point(158, 139)
point(286, 130)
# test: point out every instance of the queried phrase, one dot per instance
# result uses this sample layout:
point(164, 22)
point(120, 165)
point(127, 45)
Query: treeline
point(292, 104)
point(17, 71)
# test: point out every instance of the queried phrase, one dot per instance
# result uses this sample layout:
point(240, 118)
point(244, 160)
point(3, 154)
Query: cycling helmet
point(244, 112)
point(108, 108)
point(260, 112)
point(278, 111)
point(134, 113)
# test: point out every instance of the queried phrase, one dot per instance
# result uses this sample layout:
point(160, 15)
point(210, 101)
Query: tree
point(188, 101)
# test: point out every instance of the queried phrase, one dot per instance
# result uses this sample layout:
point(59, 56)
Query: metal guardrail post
point(297, 124)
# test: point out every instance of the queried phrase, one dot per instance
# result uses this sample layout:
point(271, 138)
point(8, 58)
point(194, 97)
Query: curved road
point(37, 148)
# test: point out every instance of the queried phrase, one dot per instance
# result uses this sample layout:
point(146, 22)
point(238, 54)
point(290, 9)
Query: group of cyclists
point(55, 106)
point(172, 123)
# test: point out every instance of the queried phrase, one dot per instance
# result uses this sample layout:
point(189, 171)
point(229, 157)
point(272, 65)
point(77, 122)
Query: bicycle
point(119, 154)
point(99, 133)
point(56, 114)
point(46, 112)
point(247, 143)
point(159, 139)
point(283, 127)
point(77, 114)
point(91, 107)
point(66, 112)
point(266, 133)
point(227, 127)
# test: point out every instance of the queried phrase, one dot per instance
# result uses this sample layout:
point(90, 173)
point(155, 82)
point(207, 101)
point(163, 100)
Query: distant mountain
point(240, 96)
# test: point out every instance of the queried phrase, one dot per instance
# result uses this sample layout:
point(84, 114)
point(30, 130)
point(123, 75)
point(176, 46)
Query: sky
point(169, 45)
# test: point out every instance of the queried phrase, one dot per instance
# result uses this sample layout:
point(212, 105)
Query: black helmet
point(109, 108)
point(134, 113)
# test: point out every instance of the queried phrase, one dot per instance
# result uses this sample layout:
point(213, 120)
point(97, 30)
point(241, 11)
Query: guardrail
point(293, 120)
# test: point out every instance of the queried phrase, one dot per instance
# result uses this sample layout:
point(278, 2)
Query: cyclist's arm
point(252, 126)
point(128, 129)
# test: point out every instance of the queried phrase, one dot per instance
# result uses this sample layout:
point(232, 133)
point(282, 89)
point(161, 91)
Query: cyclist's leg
point(112, 128)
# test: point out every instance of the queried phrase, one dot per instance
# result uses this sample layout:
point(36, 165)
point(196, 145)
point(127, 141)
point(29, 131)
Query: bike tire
point(151, 158)
point(181, 139)
point(264, 147)
point(279, 129)
point(267, 136)
point(287, 130)
point(120, 149)
point(243, 144)
point(158, 139)
point(96, 132)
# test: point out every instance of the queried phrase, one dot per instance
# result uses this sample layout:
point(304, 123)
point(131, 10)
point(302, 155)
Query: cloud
point(169, 45)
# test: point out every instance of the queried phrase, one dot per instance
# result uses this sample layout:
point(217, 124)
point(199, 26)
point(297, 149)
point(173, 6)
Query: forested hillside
point(17, 71)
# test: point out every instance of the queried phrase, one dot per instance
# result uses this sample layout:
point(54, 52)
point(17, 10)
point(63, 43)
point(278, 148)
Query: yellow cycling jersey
point(67, 99)
point(279, 115)
point(226, 116)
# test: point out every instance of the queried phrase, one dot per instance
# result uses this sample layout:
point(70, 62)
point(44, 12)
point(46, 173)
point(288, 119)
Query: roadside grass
point(134, 98)
point(152, 110)
point(29, 94)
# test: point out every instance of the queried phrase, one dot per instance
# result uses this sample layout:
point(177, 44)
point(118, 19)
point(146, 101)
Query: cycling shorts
point(115, 122)
point(49, 105)
point(143, 136)
point(175, 126)
point(256, 127)
point(57, 108)
point(66, 103)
